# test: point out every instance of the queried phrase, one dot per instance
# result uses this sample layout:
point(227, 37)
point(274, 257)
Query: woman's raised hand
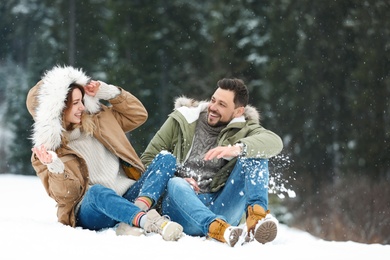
point(92, 88)
point(42, 154)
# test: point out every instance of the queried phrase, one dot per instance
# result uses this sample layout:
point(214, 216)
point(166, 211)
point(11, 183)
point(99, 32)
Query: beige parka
point(46, 102)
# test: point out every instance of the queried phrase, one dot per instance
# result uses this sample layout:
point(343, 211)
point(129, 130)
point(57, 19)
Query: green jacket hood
point(191, 108)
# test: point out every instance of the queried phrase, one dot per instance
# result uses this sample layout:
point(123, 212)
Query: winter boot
point(223, 232)
point(169, 230)
point(261, 225)
point(124, 229)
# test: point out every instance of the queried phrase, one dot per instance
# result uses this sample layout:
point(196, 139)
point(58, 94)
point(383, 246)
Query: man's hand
point(222, 151)
point(193, 183)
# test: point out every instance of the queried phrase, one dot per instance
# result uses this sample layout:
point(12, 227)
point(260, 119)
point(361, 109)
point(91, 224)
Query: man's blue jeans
point(103, 208)
point(246, 185)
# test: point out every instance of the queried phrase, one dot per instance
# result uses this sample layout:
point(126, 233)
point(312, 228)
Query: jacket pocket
point(65, 188)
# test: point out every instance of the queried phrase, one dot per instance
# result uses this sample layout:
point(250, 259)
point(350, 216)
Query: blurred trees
point(317, 71)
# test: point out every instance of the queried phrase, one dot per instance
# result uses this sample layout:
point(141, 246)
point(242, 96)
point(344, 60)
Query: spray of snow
point(279, 183)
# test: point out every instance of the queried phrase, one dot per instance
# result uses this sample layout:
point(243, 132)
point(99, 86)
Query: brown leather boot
point(261, 225)
point(224, 232)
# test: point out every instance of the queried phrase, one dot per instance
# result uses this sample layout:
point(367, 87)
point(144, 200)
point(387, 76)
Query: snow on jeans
point(246, 185)
point(103, 208)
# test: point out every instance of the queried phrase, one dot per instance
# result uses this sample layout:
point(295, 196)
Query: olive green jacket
point(177, 133)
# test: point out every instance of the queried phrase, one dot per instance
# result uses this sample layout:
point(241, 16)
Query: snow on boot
point(261, 225)
point(224, 232)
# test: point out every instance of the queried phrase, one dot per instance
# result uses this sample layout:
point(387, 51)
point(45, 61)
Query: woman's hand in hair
point(92, 88)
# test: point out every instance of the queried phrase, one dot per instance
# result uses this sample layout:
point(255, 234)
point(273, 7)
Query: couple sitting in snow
point(205, 167)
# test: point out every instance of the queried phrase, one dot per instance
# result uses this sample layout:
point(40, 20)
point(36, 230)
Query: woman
point(85, 161)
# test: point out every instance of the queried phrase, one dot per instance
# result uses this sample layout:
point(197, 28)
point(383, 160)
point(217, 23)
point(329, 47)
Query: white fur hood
point(250, 113)
point(46, 101)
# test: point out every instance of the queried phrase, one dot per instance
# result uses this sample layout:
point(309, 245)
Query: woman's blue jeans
point(103, 208)
point(246, 185)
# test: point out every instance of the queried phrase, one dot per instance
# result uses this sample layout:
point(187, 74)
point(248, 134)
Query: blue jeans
point(246, 185)
point(103, 208)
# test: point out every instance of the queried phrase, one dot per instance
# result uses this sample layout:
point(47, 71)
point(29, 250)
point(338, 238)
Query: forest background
point(318, 71)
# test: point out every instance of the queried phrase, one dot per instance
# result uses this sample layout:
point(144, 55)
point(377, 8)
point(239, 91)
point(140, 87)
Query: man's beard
point(218, 123)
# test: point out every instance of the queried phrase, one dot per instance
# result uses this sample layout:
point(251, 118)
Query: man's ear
point(239, 111)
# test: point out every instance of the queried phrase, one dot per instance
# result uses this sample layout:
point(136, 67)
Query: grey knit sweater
point(196, 167)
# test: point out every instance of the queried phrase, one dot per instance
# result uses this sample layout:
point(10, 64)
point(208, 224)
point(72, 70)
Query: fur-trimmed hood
point(251, 113)
point(46, 102)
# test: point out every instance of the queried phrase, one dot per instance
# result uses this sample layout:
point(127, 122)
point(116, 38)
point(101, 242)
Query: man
point(222, 153)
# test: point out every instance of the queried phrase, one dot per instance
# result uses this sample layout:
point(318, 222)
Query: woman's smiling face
point(75, 110)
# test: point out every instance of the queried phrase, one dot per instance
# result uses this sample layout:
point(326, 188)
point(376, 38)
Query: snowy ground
point(29, 230)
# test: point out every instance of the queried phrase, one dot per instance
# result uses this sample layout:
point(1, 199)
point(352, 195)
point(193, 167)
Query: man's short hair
point(241, 93)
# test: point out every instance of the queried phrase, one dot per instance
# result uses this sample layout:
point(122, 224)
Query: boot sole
point(266, 232)
point(234, 237)
point(172, 231)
